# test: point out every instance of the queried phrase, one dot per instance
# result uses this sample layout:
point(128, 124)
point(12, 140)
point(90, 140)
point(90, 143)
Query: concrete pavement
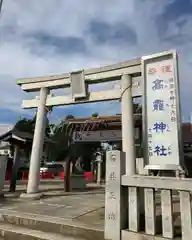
point(57, 214)
point(76, 212)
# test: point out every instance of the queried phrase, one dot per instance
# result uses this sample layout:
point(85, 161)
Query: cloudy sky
point(54, 36)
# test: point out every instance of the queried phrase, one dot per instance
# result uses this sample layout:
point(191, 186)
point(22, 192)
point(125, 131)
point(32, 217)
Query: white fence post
point(115, 196)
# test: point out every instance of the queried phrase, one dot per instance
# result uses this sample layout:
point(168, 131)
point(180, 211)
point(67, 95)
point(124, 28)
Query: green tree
point(62, 140)
point(68, 117)
point(137, 108)
point(25, 125)
point(95, 114)
point(28, 125)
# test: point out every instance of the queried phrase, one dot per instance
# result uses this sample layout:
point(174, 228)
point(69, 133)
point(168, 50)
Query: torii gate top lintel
point(79, 81)
point(117, 66)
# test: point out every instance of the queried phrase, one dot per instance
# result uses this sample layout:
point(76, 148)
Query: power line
point(1, 4)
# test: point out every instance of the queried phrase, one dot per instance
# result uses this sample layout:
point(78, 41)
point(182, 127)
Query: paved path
point(84, 207)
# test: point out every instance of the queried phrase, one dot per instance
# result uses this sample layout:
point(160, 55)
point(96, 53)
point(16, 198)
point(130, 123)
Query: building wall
point(4, 148)
point(5, 151)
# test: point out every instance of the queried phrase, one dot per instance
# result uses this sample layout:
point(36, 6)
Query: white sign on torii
point(162, 121)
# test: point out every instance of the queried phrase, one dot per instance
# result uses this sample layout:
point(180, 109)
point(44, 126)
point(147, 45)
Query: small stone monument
point(77, 176)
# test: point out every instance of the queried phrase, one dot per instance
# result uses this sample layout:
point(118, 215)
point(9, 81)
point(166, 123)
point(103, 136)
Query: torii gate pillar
point(128, 124)
point(37, 147)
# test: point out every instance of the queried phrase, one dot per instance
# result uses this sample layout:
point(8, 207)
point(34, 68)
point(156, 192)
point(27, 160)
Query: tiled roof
point(112, 118)
point(22, 135)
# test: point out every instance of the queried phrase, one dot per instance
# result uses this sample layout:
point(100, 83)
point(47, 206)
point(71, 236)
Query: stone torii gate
point(137, 78)
point(155, 78)
point(128, 72)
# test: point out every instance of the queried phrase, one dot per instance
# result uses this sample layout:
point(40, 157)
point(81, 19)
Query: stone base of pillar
point(31, 196)
point(98, 182)
point(12, 194)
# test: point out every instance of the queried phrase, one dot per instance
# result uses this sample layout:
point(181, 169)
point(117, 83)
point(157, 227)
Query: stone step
point(51, 224)
point(10, 232)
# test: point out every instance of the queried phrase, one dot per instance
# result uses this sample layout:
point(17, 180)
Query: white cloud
point(23, 56)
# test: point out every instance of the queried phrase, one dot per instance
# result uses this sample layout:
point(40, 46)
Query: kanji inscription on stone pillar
point(114, 195)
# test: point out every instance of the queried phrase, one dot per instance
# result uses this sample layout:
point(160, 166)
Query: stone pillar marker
point(37, 147)
point(115, 197)
point(99, 172)
point(99, 160)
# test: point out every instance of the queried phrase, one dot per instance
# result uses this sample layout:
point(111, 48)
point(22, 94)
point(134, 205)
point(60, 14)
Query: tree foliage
point(137, 108)
point(28, 125)
point(95, 114)
point(59, 150)
point(25, 125)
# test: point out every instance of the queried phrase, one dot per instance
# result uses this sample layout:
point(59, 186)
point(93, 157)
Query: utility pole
point(1, 4)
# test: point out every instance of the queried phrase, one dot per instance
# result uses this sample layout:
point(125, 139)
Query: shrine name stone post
point(116, 197)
